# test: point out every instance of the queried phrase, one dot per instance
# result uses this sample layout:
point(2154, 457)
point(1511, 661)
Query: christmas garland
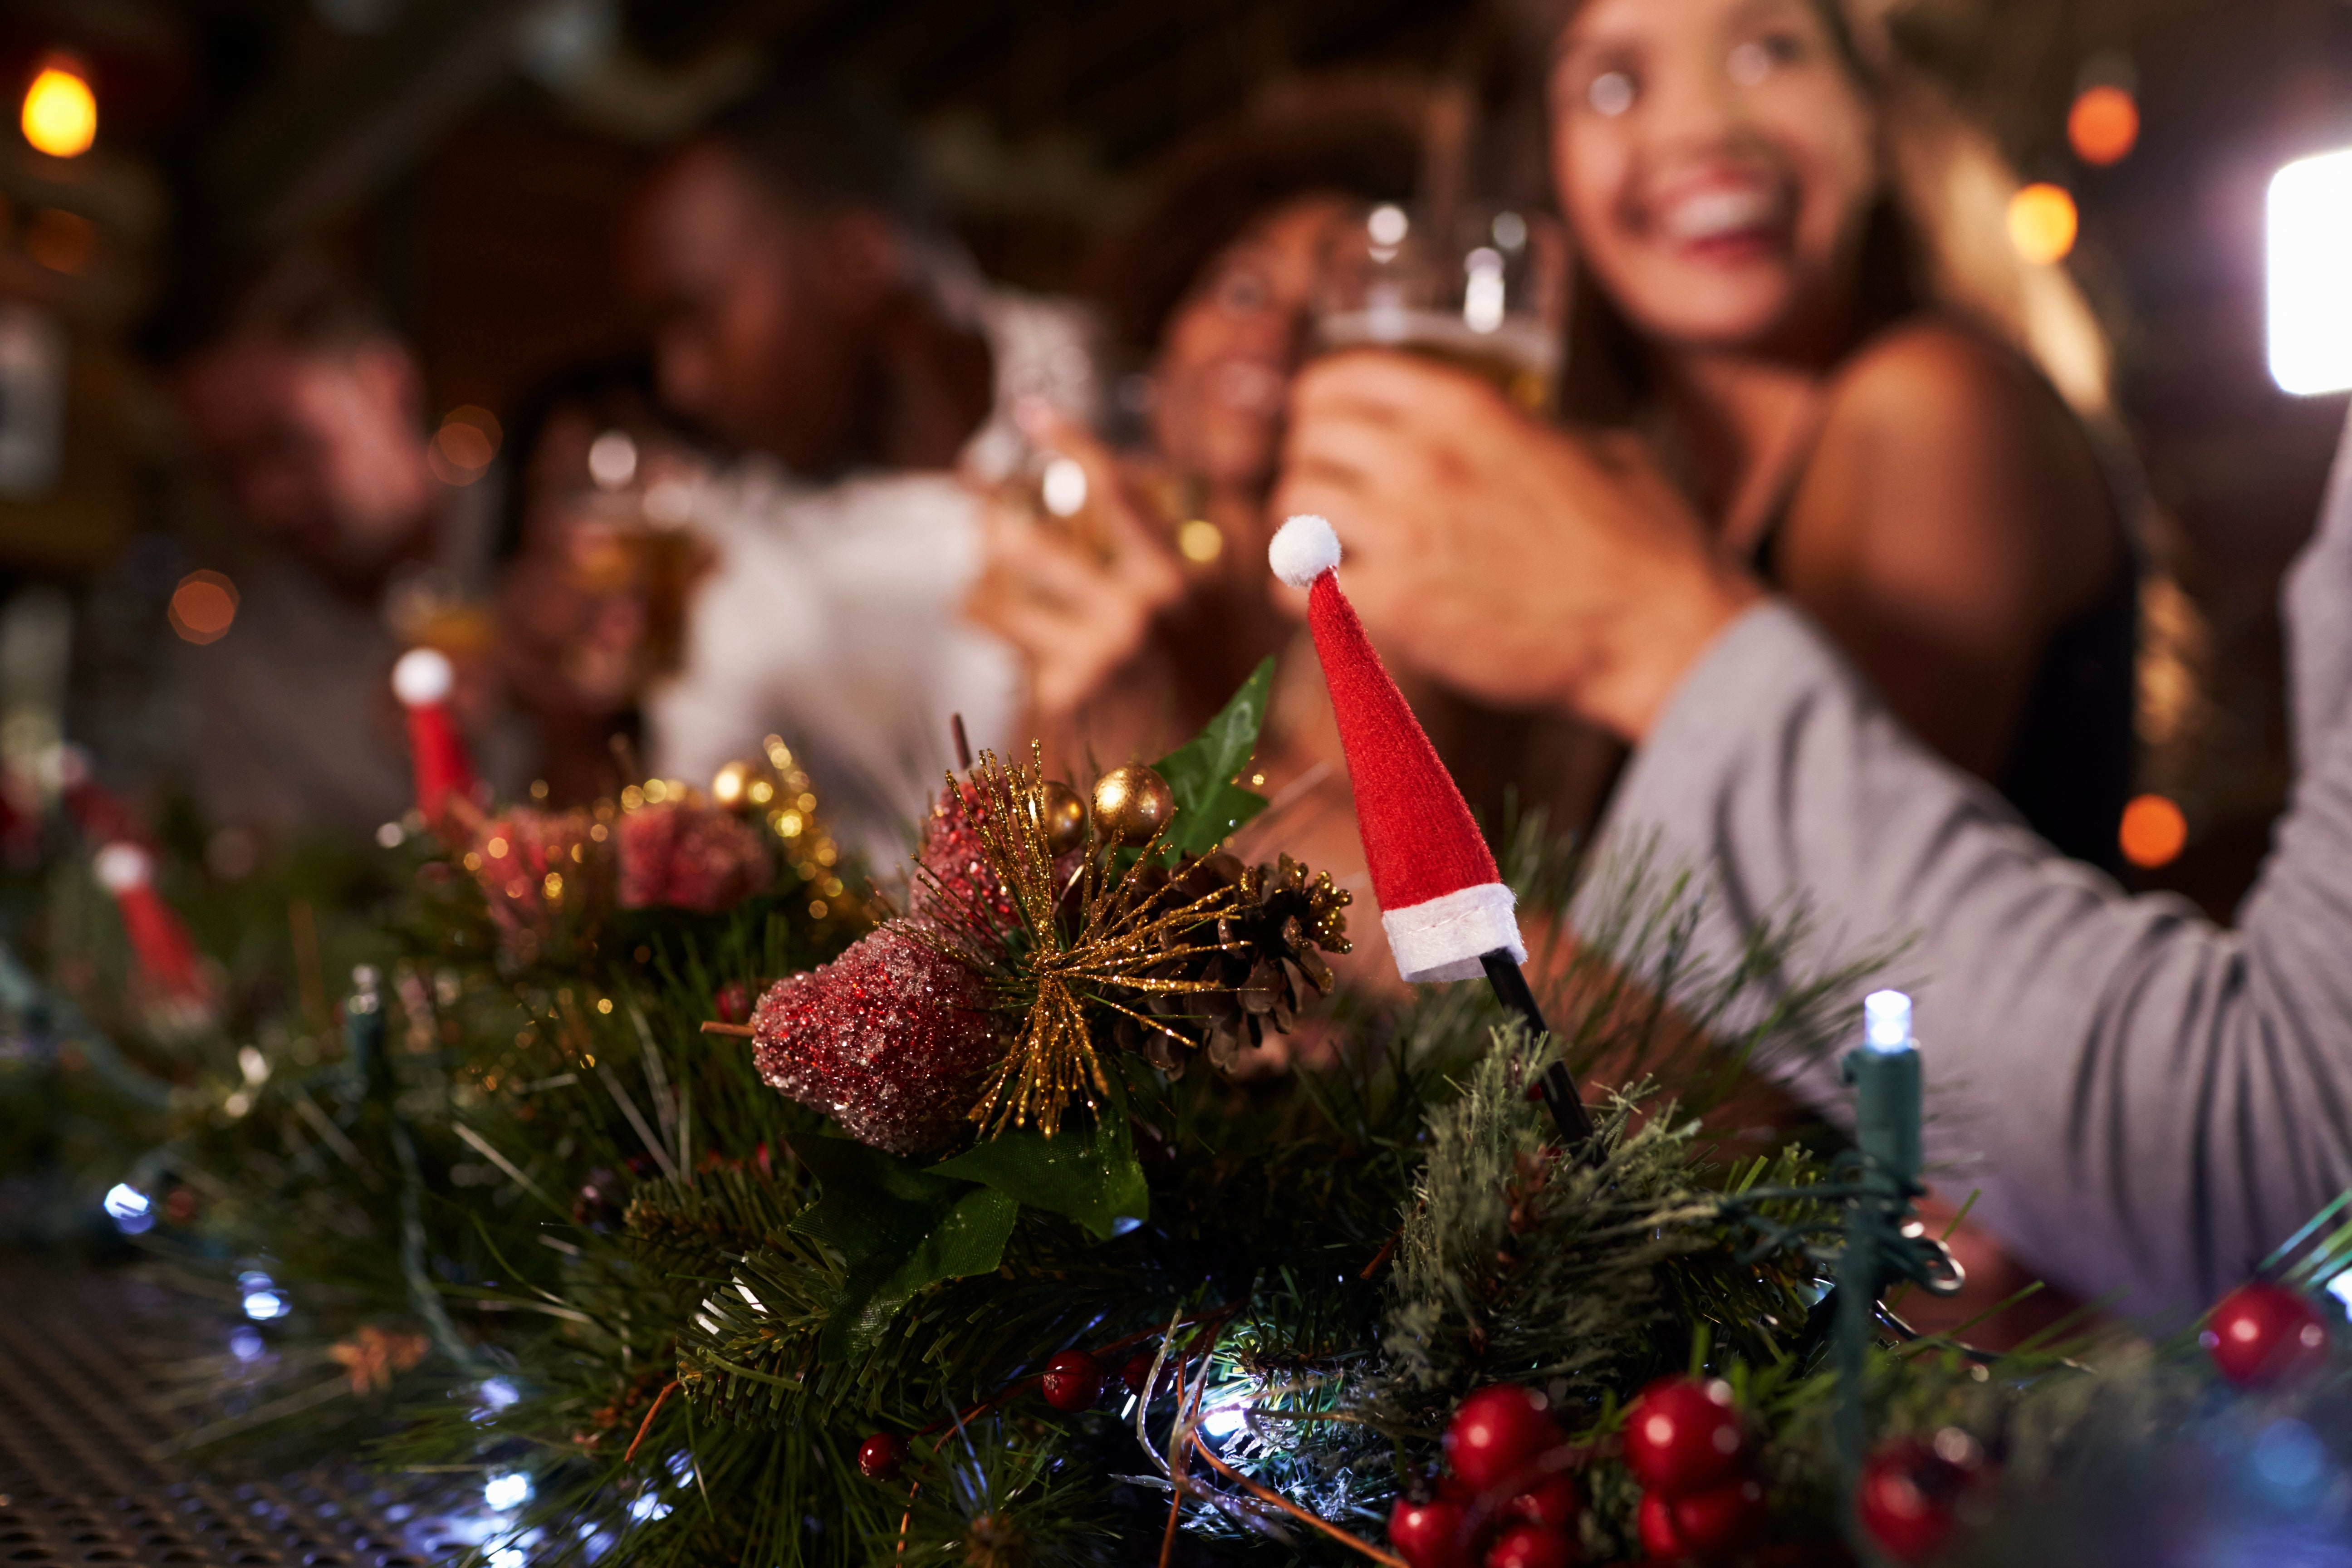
point(1033, 1260)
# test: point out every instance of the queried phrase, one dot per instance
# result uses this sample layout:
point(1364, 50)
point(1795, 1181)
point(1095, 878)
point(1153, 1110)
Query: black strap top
point(2069, 770)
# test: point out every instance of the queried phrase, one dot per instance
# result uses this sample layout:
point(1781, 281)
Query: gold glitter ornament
point(1066, 817)
point(1080, 940)
point(1132, 804)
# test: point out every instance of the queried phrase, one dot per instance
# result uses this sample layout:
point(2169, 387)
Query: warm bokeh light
point(2154, 832)
point(2103, 125)
point(2042, 223)
point(2310, 258)
point(465, 445)
point(203, 607)
point(60, 114)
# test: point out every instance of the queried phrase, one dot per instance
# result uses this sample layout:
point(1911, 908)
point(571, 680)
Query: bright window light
point(2310, 243)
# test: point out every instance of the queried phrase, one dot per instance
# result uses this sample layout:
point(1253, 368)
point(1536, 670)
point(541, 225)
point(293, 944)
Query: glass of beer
point(1485, 291)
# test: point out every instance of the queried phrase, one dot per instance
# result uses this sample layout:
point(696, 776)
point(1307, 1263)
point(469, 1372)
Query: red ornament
point(690, 856)
point(1073, 1381)
point(2263, 1335)
point(889, 1040)
point(1911, 1491)
point(1498, 1435)
point(880, 1457)
point(1683, 1435)
point(1430, 1534)
point(1531, 1546)
point(1552, 1502)
point(1720, 1519)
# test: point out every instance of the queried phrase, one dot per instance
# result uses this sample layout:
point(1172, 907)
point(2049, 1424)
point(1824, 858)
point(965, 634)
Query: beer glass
point(1484, 291)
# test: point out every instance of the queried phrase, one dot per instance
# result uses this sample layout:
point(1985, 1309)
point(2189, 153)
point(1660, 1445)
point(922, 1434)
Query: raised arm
point(2149, 1104)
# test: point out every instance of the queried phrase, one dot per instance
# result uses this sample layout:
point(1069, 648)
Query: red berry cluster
point(1505, 1500)
point(1687, 1445)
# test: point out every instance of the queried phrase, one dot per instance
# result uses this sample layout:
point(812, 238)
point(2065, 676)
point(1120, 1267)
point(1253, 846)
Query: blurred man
point(308, 414)
point(816, 317)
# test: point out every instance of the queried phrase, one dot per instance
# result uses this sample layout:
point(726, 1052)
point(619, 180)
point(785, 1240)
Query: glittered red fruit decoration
point(2263, 1335)
point(1531, 1546)
point(1683, 1435)
point(1430, 1534)
point(1498, 1435)
point(880, 1457)
point(1073, 1381)
point(732, 1002)
point(1552, 1502)
point(1912, 1490)
point(1722, 1518)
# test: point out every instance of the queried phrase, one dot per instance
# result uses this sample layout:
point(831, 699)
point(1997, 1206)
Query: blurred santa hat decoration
point(423, 680)
point(1443, 901)
point(158, 940)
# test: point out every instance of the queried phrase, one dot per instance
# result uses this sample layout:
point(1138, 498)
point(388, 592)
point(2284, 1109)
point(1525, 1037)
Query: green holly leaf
point(1094, 1180)
point(899, 1228)
point(1200, 772)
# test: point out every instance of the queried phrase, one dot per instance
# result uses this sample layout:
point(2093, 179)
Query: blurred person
point(597, 560)
point(817, 317)
point(345, 549)
point(1139, 618)
point(1798, 317)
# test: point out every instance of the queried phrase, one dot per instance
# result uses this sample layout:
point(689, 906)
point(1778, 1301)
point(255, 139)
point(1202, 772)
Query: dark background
point(472, 159)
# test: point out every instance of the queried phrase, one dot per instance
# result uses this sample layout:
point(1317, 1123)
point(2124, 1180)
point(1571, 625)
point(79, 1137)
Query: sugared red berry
point(1551, 1502)
point(1531, 1546)
point(1911, 1491)
point(2263, 1335)
point(1498, 1435)
point(1430, 1534)
point(1682, 1436)
point(880, 1455)
point(1073, 1381)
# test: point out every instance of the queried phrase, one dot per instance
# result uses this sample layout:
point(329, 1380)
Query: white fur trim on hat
point(1444, 938)
point(1302, 550)
point(423, 675)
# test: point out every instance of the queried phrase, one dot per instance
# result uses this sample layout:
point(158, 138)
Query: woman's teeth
point(1718, 214)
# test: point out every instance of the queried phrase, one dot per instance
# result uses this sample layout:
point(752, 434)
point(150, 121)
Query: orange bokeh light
point(2103, 125)
point(203, 607)
point(2155, 831)
point(462, 448)
point(2042, 223)
point(60, 114)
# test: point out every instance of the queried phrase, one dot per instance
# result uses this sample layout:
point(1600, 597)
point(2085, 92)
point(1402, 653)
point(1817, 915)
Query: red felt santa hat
point(423, 681)
point(157, 936)
point(1443, 902)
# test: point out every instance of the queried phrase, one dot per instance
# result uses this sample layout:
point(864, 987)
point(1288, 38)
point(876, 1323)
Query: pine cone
point(1267, 961)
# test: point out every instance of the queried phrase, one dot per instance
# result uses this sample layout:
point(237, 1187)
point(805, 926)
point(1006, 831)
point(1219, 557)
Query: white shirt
point(834, 617)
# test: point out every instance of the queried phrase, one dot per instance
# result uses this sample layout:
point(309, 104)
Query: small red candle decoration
point(423, 681)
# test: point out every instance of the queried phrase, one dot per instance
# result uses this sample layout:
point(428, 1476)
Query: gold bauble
point(1066, 817)
point(1132, 803)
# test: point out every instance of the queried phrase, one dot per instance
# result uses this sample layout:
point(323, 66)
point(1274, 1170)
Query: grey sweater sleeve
point(2147, 1103)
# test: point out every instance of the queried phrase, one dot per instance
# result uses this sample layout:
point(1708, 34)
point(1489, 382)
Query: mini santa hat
point(157, 936)
point(423, 680)
point(1443, 902)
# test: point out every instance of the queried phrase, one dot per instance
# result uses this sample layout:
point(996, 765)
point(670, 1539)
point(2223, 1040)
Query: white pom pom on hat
point(1303, 549)
point(121, 867)
point(423, 674)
